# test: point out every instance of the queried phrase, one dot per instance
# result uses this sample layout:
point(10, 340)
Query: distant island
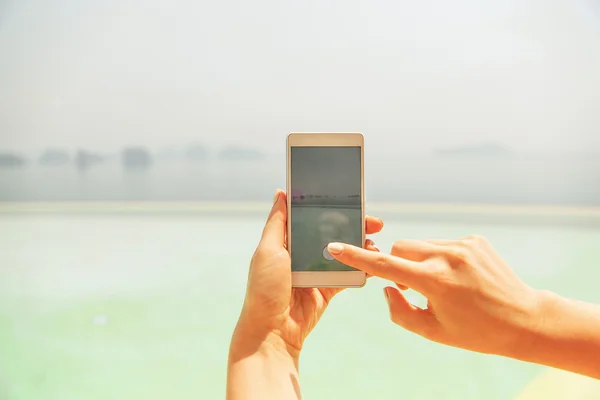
point(55, 157)
point(85, 159)
point(239, 153)
point(12, 160)
point(136, 158)
point(478, 173)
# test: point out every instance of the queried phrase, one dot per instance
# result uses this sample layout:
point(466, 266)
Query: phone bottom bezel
point(328, 279)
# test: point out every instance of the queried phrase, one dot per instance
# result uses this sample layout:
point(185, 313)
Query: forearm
point(261, 369)
point(568, 338)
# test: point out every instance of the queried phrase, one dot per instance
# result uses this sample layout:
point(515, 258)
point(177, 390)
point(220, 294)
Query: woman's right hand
point(475, 301)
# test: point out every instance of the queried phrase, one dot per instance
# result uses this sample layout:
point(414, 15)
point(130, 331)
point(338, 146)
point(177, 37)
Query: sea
point(136, 301)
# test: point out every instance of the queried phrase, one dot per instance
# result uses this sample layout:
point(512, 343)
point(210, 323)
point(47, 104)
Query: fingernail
point(376, 248)
point(276, 197)
point(387, 296)
point(335, 248)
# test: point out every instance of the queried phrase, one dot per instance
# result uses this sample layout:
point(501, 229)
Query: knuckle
point(460, 254)
point(397, 244)
point(396, 247)
point(399, 247)
point(476, 240)
point(445, 280)
point(437, 264)
point(380, 261)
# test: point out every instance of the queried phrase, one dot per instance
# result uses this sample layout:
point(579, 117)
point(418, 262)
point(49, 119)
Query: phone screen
point(325, 204)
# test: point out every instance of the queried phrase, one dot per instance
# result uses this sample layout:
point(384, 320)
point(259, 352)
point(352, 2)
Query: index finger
point(395, 269)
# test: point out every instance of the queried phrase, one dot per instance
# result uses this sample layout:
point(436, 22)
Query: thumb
point(414, 319)
point(273, 235)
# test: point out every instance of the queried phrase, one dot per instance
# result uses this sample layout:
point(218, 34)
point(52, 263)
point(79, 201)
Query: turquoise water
point(128, 306)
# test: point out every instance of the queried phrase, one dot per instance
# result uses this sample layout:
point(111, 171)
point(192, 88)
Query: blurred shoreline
point(244, 206)
point(451, 213)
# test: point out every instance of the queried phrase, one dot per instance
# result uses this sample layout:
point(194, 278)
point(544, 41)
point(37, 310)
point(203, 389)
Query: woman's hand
point(275, 318)
point(272, 308)
point(475, 301)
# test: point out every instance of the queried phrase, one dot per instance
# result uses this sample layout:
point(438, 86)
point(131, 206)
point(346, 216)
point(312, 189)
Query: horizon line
point(250, 206)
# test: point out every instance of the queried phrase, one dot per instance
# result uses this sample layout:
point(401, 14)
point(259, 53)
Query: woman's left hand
point(274, 313)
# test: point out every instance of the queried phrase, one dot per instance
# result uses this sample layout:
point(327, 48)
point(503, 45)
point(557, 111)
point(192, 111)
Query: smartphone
point(325, 199)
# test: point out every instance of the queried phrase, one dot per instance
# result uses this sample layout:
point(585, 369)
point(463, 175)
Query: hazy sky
point(411, 75)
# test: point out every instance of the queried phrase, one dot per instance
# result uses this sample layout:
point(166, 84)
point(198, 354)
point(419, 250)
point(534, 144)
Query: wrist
point(534, 335)
point(261, 365)
point(250, 338)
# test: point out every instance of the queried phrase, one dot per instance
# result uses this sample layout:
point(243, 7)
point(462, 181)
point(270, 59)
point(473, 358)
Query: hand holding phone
point(275, 319)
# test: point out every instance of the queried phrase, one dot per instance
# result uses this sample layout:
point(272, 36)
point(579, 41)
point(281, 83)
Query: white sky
point(411, 75)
